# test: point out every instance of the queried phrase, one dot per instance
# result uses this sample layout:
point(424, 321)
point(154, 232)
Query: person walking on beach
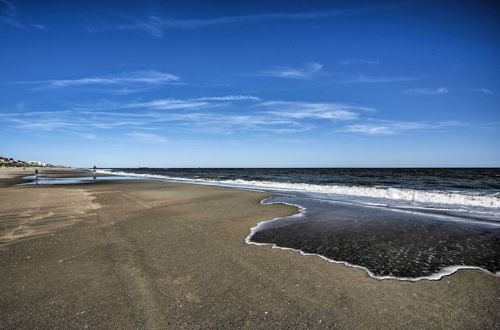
point(95, 168)
point(36, 175)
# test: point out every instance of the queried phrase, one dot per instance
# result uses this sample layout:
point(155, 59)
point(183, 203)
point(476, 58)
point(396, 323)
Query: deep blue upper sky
point(232, 84)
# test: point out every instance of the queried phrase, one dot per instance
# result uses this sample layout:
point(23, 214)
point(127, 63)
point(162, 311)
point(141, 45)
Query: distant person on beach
point(36, 175)
point(95, 168)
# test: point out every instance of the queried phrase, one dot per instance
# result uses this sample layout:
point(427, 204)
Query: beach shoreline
point(155, 254)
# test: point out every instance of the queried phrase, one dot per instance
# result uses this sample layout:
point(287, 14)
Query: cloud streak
point(307, 71)
point(354, 61)
point(9, 16)
point(302, 110)
point(149, 77)
point(228, 98)
point(484, 91)
point(207, 116)
point(395, 127)
point(361, 78)
point(88, 136)
point(155, 25)
point(146, 137)
point(427, 91)
point(167, 104)
point(211, 116)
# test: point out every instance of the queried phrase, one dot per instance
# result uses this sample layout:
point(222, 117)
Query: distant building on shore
point(11, 162)
point(36, 163)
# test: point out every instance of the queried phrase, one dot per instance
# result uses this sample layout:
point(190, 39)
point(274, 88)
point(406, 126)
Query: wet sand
point(387, 242)
point(150, 254)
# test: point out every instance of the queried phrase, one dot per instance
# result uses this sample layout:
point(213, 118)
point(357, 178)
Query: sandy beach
point(159, 255)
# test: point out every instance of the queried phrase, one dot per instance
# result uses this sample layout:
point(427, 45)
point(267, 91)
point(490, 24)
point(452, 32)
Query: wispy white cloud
point(45, 124)
point(395, 127)
point(147, 137)
point(301, 110)
point(361, 78)
point(9, 16)
point(39, 26)
point(106, 123)
point(155, 25)
point(88, 136)
point(167, 104)
point(149, 77)
point(484, 90)
point(381, 129)
point(182, 115)
point(353, 61)
point(72, 120)
point(234, 122)
point(145, 77)
point(307, 71)
point(228, 98)
point(212, 116)
point(178, 104)
point(427, 91)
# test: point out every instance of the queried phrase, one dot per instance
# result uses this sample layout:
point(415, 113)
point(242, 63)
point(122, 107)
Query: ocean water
point(405, 223)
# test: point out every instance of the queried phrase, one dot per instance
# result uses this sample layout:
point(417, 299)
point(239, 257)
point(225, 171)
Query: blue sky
point(254, 84)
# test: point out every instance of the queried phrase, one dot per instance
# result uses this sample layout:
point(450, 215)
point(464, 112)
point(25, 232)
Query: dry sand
point(157, 255)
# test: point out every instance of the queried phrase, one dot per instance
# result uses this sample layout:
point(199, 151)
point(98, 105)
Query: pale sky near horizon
point(250, 84)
